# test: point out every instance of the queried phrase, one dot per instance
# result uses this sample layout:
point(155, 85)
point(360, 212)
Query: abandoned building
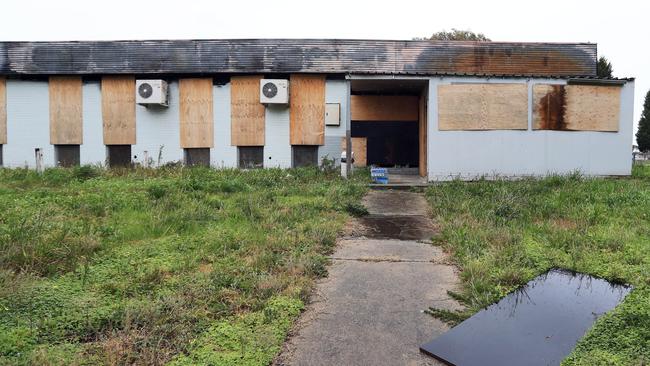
point(443, 109)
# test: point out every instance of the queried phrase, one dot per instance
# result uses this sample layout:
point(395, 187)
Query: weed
point(156, 191)
point(448, 316)
point(85, 172)
point(356, 209)
point(328, 164)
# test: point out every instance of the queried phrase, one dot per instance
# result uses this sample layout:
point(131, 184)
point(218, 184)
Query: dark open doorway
point(390, 115)
point(389, 143)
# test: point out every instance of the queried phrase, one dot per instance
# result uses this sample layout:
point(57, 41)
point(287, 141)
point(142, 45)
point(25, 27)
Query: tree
point(643, 133)
point(604, 68)
point(457, 35)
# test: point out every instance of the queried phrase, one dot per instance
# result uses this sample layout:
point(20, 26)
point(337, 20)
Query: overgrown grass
point(153, 266)
point(504, 233)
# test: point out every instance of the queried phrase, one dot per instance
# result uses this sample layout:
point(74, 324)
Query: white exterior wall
point(335, 92)
point(158, 132)
point(451, 154)
point(223, 155)
point(28, 124)
point(159, 127)
point(92, 150)
point(277, 147)
point(503, 153)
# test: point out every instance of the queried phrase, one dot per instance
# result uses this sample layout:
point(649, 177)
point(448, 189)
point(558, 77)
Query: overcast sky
point(621, 28)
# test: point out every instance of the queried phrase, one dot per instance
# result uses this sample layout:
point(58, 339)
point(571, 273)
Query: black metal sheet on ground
point(539, 324)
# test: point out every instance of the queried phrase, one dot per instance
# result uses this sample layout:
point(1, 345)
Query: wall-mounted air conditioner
point(151, 92)
point(274, 91)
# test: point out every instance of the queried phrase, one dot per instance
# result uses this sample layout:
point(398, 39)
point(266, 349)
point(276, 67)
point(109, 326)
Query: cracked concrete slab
point(397, 203)
point(369, 310)
point(396, 250)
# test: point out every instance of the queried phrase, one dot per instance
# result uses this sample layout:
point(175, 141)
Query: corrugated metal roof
point(296, 56)
point(505, 76)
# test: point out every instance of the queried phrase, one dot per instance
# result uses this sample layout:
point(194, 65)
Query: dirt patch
point(395, 227)
point(205, 268)
point(391, 203)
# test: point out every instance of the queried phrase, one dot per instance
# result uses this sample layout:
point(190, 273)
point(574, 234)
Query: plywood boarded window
point(3, 111)
point(360, 149)
point(307, 109)
point(576, 107)
point(196, 113)
point(384, 108)
point(246, 111)
point(65, 110)
point(118, 110)
point(483, 107)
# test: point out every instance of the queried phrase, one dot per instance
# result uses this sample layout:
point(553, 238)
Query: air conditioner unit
point(148, 92)
point(274, 91)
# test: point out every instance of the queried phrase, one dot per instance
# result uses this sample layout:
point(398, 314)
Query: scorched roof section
point(335, 56)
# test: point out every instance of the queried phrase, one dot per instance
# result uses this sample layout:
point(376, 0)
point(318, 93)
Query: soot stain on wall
point(552, 107)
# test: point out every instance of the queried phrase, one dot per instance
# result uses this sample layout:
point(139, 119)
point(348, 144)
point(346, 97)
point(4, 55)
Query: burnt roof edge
point(599, 81)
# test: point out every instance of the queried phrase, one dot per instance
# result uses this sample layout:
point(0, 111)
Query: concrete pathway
point(368, 311)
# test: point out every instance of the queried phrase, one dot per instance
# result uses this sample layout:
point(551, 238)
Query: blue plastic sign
point(379, 175)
